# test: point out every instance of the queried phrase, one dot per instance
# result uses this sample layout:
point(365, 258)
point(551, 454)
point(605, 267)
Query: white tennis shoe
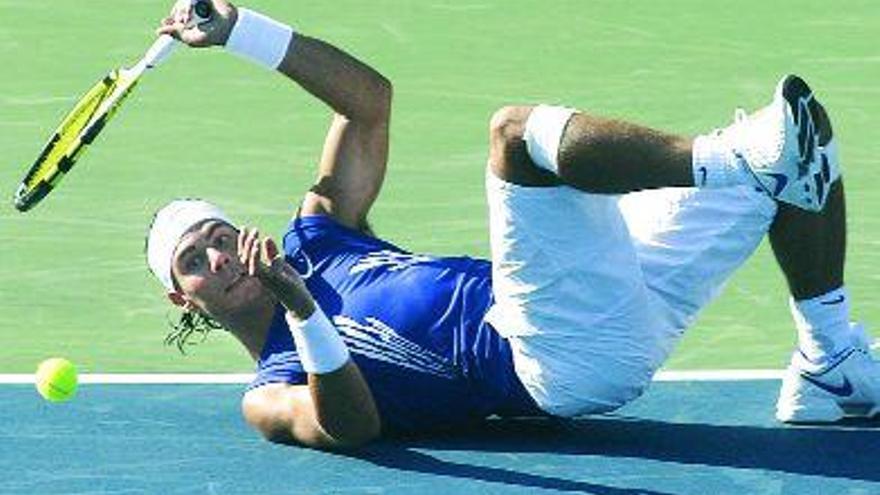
point(787, 146)
point(849, 386)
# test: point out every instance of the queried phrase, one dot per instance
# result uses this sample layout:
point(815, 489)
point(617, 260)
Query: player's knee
point(508, 125)
point(506, 129)
point(508, 157)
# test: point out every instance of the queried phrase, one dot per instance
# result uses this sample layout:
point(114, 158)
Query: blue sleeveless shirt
point(413, 323)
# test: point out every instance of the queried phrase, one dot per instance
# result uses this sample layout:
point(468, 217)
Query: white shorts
point(594, 291)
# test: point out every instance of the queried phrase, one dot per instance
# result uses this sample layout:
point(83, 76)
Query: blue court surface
point(709, 437)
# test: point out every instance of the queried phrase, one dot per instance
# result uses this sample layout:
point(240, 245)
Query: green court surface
point(73, 280)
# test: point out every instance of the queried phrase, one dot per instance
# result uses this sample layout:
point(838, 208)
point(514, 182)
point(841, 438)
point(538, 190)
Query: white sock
point(823, 325)
point(714, 165)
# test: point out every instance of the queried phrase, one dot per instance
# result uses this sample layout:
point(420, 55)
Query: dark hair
point(191, 325)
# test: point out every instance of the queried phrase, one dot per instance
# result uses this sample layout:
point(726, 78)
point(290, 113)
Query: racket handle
point(159, 51)
point(165, 44)
point(201, 12)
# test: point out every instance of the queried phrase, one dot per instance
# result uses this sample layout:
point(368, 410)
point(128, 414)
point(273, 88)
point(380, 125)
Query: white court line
point(144, 378)
point(717, 375)
point(242, 378)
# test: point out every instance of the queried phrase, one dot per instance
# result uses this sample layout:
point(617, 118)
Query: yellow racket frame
point(78, 129)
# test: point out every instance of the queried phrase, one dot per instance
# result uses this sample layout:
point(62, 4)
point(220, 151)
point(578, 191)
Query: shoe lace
point(740, 117)
point(738, 129)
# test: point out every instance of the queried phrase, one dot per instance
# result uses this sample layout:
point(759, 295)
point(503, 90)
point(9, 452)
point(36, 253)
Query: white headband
point(169, 225)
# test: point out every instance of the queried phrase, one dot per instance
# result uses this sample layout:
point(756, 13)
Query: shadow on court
point(842, 451)
point(681, 438)
point(406, 457)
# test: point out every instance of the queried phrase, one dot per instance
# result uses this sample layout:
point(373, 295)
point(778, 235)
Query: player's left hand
point(262, 259)
point(186, 26)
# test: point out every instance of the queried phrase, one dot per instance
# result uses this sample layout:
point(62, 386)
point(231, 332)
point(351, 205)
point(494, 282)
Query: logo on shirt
point(392, 260)
point(302, 264)
point(376, 340)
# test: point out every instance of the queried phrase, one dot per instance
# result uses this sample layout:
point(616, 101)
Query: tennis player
point(607, 240)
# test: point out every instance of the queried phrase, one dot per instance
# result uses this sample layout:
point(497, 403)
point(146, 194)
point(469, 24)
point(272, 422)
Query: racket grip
point(165, 44)
point(201, 12)
point(159, 51)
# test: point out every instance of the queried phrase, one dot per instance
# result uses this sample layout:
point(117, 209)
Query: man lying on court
point(607, 239)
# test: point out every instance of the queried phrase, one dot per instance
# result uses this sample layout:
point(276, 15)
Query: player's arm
point(335, 410)
point(353, 161)
point(286, 413)
point(355, 154)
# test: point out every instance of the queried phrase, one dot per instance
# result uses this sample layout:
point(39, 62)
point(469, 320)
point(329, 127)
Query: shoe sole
point(829, 414)
point(798, 95)
point(807, 113)
point(826, 406)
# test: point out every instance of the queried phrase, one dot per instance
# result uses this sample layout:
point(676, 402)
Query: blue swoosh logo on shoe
point(839, 299)
point(781, 182)
point(844, 390)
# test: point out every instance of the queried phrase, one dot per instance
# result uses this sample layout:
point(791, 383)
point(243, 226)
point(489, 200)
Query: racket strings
point(60, 146)
point(78, 129)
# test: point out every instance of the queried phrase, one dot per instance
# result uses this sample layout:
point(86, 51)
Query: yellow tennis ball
point(56, 380)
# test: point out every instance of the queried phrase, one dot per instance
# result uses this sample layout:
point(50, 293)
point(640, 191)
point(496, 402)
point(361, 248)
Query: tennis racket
point(89, 117)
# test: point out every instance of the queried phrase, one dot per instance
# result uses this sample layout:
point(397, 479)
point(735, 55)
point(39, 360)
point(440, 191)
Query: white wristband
point(259, 38)
point(320, 348)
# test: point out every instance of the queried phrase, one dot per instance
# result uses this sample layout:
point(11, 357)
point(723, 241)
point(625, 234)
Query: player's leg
point(595, 154)
point(546, 237)
point(568, 290)
point(690, 241)
point(611, 156)
point(810, 247)
point(832, 373)
point(600, 155)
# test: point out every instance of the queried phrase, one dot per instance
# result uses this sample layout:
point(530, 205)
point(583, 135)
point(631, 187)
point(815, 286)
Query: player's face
point(208, 272)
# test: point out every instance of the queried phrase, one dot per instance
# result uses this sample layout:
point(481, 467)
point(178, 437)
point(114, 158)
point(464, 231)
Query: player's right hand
point(184, 25)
